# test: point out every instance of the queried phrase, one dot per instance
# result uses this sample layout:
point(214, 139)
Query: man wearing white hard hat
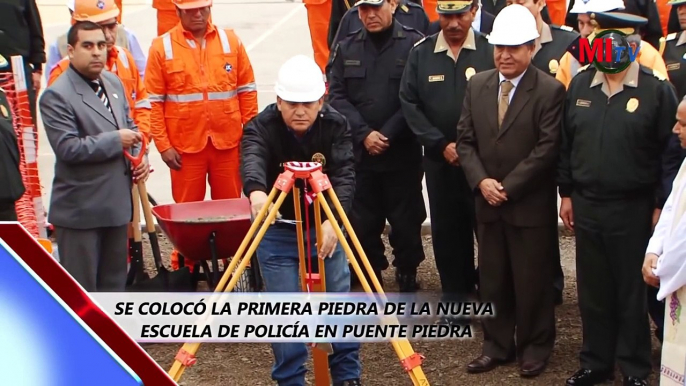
point(508, 138)
point(301, 127)
point(617, 126)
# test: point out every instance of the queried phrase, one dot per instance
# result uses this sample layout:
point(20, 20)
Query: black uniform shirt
point(21, 32)
point(433, 87)
point(12, 186)
point(364, 83)
point(614, 148)
point(675, 60)
point(552, 46)
point(346, 21)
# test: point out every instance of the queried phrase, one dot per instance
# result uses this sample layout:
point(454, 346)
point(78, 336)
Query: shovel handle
point(135, 161)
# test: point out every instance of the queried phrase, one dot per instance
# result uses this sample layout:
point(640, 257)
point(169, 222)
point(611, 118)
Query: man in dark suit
point(483, 22)
point(86, 118)
point(508, 147)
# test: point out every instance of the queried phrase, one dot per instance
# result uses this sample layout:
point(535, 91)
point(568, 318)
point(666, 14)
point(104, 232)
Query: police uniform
point(552, 45)
point(345, 18)
point(675, 59)
point(431, 93)
point(12, 187)
point(611, 168)
point(364, 80)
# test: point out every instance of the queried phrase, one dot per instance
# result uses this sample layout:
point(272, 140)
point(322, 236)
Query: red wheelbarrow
point(209, 231)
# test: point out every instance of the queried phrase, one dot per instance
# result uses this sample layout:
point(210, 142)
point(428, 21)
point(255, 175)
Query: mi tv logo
point(610, 51)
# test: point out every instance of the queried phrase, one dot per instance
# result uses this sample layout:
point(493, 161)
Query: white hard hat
point(603, 5)
point(300, 80)
point(70, 4)
point(579, 6)
point(513, 26)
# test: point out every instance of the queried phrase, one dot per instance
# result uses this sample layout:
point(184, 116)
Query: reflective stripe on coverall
point(121, 63)
point(318, 18)
point(201, 96)
point(648, 56)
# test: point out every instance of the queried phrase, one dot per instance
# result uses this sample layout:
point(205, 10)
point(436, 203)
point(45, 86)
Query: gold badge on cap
point(632, 105)
point(3, 61)
point(469, 72)
point(4, 111)
point(553, 65)
point(319, 157)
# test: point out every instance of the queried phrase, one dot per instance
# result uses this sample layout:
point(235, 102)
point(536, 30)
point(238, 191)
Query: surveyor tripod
point(310, 173)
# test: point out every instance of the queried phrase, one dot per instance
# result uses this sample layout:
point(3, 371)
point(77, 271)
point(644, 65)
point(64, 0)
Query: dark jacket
point(267, 143)
point(21, 32)
point(521, 154)
point(12, 186)
point(485, 28)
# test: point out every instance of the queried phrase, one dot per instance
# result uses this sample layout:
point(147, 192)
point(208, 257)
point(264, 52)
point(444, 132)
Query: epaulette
point(420, 41)
point(404, 8)
point(355, 32)
point(584, 68)
point(654, 73)
point(562, 27)
point(671, 36)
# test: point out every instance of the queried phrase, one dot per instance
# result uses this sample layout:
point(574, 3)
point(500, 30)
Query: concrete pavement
point(272, 31)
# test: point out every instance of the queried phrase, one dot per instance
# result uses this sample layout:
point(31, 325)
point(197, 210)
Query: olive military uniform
point(345, 18)
point(364, 74)
point(611, 166)
point(552, 45)
point(12, 187)
point(432, 89)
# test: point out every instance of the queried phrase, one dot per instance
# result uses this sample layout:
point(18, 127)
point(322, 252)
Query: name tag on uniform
point(583, 103)
point(436, 78)
point(673, 66)
point(351, 63)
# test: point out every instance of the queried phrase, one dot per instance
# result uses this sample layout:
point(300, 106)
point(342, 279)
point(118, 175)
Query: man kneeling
point(301, 127)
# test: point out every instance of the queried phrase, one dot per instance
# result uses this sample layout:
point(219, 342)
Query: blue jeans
point(277, 255)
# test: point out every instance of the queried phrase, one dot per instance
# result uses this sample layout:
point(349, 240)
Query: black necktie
point(100, 92)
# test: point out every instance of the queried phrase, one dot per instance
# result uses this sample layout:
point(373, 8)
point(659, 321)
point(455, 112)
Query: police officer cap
point(602, 5)
point(618, 20)
point(370, 2)
point(676, 2)
point(448, 7)
point(514, 26)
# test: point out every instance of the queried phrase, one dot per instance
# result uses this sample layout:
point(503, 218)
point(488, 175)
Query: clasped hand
point(376, 143)
point(493, 191)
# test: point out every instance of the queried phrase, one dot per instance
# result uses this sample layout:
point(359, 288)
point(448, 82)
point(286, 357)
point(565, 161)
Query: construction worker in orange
point(167, 18)
point(318, 18)
point(557, 11)
point(202, 90)
point(430, 9)
point(119, 60)
point(121, 10)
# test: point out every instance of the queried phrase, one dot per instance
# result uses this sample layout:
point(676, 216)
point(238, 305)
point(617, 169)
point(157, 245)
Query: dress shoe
point(407, 281)
point(483, 364)
point(349, 382)
point(586, 377)
point(532, 368)
point(635, 381)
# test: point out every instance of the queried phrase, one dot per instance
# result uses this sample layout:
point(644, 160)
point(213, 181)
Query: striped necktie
point(100, 92)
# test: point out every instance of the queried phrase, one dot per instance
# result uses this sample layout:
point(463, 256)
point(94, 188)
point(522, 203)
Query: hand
point(36, 77)
point(493, 191)
point(656, 217)
point(329, 240)
point(566, 213)
point(257, 201)
point(129, 137)
point(649, 263)
point(450, 154)
point(142, 171)
point(172, 158)
point(376, 143)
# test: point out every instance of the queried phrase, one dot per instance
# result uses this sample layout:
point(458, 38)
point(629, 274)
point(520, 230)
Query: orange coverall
point(557, 10)
point(121, 63)
point(318, 18)
point(663, 9)
point(430, 9)
point(121, 10)
point(201, 97)
point(166, 15)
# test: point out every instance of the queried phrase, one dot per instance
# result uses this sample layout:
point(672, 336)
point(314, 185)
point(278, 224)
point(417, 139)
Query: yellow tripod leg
point(186, 355)
point(409, 359)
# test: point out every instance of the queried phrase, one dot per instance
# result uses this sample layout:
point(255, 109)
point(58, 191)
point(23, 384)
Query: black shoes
point(350, 382)
point(586, 377)
point(407, 281)
point(634, 381)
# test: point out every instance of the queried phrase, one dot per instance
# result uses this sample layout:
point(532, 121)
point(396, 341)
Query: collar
point(546, 37)
point(442, 44)
point(87, 80)
point(682, 39)
point(515, 81)
point(630, 79)
point(190, 39)
point(398, 32)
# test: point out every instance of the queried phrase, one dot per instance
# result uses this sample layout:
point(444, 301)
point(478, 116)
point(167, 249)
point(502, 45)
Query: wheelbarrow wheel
point(250, 280)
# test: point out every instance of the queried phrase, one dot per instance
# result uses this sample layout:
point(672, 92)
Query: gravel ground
point(250, 364)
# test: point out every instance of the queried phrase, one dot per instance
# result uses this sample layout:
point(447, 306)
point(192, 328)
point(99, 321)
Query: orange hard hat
point(191, 4)
point(95, 10)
